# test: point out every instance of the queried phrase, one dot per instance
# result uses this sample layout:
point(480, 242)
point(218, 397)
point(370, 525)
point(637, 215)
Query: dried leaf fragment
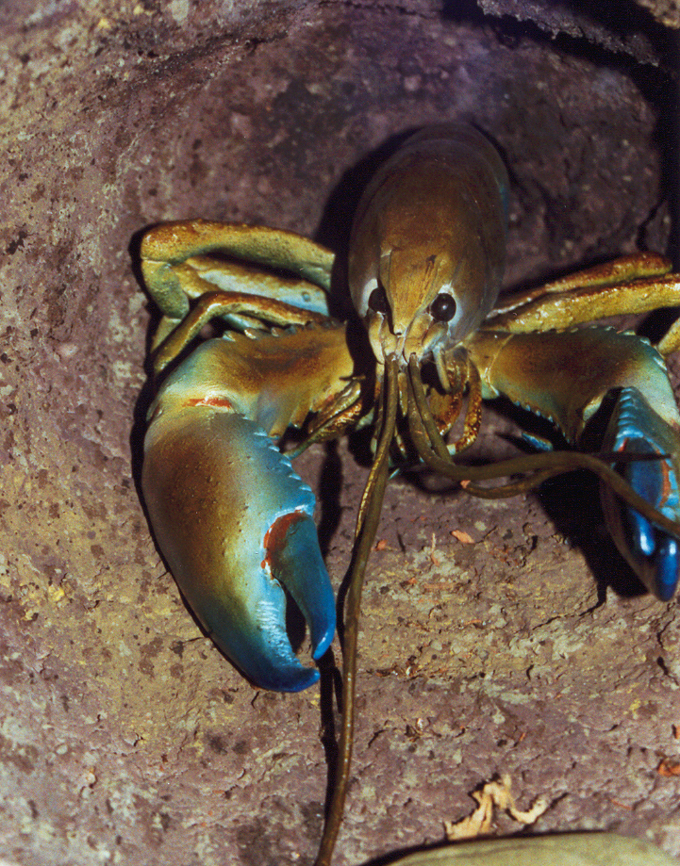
point(496, 794)
point(668, 767)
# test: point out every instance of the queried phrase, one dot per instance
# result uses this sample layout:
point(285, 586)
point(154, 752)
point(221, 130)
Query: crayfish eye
point(443, 308)
point(377, 301)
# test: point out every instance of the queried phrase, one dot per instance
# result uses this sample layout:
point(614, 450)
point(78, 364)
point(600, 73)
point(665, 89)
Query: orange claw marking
point(217, 402)
point(275, 540)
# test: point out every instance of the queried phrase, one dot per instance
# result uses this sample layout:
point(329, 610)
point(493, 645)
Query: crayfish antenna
point(367, 527)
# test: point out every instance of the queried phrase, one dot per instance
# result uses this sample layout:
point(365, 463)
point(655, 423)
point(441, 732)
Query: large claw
point(234, 523)
point(565, 376)
point(651, 552)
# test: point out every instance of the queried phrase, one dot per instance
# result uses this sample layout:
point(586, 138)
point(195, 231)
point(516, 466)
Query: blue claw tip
point(651, 551)
point(258, 641)
point(659, 550)
point(296, 563)
point(668, 562)
point(259, 644)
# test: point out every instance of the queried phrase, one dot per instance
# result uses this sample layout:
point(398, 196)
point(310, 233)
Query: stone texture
point(124, 735)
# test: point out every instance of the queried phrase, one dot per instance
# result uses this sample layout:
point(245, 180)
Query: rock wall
point(124, 735)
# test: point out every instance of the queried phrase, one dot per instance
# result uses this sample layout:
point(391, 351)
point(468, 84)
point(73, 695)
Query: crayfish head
point(414, 305)
point(428, 243)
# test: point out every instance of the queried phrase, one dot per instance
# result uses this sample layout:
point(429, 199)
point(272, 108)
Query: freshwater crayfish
point(231, 517)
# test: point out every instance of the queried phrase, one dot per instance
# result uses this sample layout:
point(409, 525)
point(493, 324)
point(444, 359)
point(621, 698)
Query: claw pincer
point(635, 427)
point(234, 521)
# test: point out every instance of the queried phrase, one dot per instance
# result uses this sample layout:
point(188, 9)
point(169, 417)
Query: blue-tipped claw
point(260, 646)
point(233, 521)
point(652, 553)
point(296, 562)
point(258, 643)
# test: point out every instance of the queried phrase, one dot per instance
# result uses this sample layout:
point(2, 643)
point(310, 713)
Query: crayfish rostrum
point(425, 263)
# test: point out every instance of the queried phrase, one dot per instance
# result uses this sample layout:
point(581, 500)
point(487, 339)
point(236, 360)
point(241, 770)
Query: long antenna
point(367, 527)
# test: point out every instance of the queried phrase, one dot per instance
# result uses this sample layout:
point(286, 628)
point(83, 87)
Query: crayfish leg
point(636, 283)
point(167, 247)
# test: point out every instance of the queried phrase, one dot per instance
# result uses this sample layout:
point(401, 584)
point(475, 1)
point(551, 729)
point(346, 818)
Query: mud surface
point(525, 648)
